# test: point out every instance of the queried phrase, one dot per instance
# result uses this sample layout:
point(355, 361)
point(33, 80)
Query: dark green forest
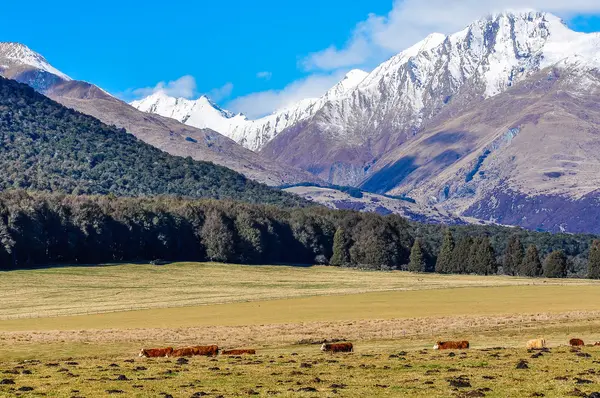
point(45, 146)
point(40, 229)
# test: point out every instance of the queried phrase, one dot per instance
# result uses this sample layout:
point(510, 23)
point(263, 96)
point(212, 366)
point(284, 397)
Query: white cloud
point(220, 93)
point(184, 87)
point(409, 21)
point(264, 75)
point(266, 102)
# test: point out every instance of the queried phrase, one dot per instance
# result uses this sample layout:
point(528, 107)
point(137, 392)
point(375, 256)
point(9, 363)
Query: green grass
point(308, 373)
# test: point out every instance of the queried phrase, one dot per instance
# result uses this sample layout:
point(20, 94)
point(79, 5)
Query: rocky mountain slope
point(22, 64)
point(252, 134)
point(343, 140)
point(529, 156)
point(381, 204)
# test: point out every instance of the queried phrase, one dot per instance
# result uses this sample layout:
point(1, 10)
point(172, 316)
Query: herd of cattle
point(205, 350)
point(213, 350)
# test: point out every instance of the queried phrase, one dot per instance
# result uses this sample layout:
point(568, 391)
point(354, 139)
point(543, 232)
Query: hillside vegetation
point(45, 146)
point(41, 229)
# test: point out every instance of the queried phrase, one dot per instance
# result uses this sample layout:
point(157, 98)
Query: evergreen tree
point(217, 237)
point(341, 248)
point(513, 256)
point(417, 258)
point(594, 261)
point(483, 258)
point(444, 261)
point(555, 265)
point(531, 265)
point(376, 244)
point(461, 256)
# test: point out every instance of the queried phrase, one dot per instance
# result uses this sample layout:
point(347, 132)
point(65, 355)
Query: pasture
point(77, 331)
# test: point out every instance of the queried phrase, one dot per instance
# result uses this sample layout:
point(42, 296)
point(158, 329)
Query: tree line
point(40, 229)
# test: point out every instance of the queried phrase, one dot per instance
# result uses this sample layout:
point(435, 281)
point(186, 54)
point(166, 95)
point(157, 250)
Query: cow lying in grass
point(337, 347)
point(156, 352)
point(238, 352)
point(536, 344)
point(451, 345)
point(576, 343)
point(208, 350)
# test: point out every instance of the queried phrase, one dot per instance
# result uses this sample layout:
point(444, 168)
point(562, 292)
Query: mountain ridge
point(250, 133)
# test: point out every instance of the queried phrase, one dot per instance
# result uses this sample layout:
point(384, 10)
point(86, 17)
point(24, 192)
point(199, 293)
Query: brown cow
point(451, 345)
point(597, 343)
point(209, 350)
point(183, 352)
point(206, 350)
point(337, 347)
point(238, 352)
point(156, 352)
point(576, 343)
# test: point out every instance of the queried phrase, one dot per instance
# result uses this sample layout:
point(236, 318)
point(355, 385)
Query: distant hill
point(48, 147)
point(20, 63)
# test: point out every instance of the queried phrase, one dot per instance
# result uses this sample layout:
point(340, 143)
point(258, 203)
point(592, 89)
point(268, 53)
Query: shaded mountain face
point(252, 134)
point(529, 156)
point(45, 146)
point(19, 63)
point(396, 101)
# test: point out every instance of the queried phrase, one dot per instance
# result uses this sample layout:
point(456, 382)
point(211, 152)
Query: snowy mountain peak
point(350, 81)
point(253, 134)
point(17, 54)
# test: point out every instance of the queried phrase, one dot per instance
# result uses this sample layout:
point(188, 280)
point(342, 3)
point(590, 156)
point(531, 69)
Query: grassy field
point(280, 311)
point(84, 290)
point(366, 373)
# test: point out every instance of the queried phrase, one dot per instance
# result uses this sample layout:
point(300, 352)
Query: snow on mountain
point(17, 54)
point(398, 98)
point(253, 134)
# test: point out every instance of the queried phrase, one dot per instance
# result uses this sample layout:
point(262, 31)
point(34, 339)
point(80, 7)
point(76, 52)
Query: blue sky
point(250, 56)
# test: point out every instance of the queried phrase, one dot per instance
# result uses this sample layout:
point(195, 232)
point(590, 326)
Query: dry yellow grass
point(97, 289)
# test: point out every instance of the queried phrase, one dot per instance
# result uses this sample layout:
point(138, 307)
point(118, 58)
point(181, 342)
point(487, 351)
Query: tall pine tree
point(341, 248)
point(444, 260)
point(555, 265)
point(217, 237)
point(594, 261)
point(461, 256)
point(483, 258)
point(513, 257)
point(531, 265)
point(417, 257)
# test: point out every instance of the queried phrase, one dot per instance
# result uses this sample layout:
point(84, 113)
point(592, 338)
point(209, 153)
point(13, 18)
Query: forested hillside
point(42, 229)
point(45, 146)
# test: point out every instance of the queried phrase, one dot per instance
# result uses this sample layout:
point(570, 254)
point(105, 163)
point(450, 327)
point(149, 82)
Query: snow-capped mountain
point(397, 99)
point(19, 55)
point(253, 134)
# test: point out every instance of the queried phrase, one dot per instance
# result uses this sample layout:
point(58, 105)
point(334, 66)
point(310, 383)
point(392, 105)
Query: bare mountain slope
point(529, 156)
point(22, 64)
